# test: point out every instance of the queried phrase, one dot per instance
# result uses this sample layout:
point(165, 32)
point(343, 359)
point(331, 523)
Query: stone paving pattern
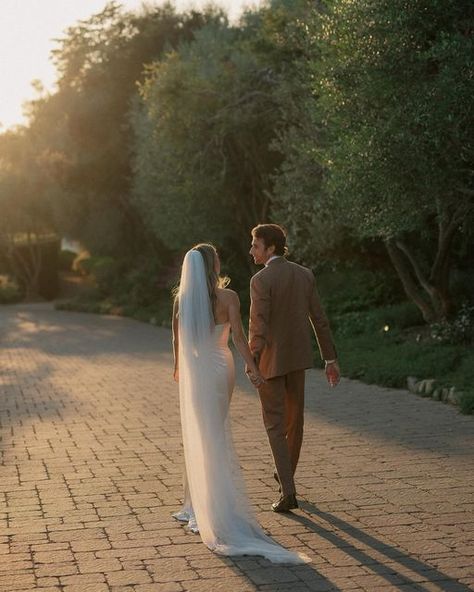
point(92, 464)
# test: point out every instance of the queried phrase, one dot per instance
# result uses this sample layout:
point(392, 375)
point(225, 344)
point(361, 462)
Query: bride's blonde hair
point(213, 279)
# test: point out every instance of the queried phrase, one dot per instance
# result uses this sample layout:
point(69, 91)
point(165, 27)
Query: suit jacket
point(284, 305)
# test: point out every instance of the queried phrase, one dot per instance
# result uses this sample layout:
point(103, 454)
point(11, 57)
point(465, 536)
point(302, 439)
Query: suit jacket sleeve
point(259, 315)
point(321, 326)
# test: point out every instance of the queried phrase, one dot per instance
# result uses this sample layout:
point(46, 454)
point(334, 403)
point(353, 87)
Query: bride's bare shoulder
point(227, 297)
point(226, 293)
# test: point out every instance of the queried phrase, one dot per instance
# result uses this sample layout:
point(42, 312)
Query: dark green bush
point(462, 373)
point(355, 289)
point(125, 288)
point(389, 360)
point(66, 259)
point(10, 292)
point(141, 285)
point(387, 319)
point(127, 282)
point(106, 271)
point(460, 329)
point(466, 402)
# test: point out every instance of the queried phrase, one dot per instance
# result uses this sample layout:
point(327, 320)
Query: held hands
point(333, 373)
point(255, 378)
point(253, 374)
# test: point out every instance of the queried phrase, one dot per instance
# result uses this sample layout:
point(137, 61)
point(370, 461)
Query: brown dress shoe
point(285, 503)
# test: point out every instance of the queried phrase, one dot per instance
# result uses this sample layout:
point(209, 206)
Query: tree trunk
point(411, 287)
point(429, 292)
point(441, 268)
point(26, 269)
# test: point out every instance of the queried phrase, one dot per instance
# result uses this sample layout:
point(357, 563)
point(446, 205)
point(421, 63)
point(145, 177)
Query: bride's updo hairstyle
point(214, 280)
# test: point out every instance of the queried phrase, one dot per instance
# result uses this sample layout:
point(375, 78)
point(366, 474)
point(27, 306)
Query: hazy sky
point(27, 30)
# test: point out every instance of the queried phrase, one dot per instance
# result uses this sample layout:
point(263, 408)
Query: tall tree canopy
point(210, 112)
point(392, 124)
point(86, 121)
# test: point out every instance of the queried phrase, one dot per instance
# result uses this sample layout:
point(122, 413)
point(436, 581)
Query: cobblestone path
point(92, 460)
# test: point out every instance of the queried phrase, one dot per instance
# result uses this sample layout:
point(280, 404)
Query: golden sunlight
point(27, 32)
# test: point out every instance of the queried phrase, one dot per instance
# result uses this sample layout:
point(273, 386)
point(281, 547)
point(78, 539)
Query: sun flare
point(27, 32)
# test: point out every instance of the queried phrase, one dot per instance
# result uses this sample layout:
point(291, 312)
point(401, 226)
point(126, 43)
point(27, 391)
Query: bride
point(215, 501)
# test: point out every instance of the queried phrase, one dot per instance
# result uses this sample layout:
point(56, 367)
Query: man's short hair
point(272, 235)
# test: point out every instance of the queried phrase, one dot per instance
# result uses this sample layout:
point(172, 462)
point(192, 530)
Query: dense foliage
point(389, 126)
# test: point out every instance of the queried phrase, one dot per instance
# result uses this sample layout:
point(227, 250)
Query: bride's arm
point(239, 338)
point(175, 338)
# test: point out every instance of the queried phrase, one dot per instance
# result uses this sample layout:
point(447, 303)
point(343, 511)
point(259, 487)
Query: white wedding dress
point(216, 504)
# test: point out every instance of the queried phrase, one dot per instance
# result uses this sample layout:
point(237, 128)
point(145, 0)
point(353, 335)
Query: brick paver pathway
point(91, 450)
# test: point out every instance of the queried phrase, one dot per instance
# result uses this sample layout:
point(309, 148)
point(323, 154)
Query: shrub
point(388, 360)
point(141, 285)
point(458, 330)
point(388, 319)
point(10, 291)
point(354, 290)
point(106, 272)
point(66, 259)
point(466, 402)
point(462, 373)
point(123, 287)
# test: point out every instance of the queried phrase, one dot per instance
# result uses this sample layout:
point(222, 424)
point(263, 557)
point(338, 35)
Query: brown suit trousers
point(284, 305)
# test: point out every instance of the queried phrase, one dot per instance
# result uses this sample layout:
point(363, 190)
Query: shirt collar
point(271, 259)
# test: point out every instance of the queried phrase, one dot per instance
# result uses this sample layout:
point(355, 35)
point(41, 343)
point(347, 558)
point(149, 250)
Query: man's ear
point(271, 250)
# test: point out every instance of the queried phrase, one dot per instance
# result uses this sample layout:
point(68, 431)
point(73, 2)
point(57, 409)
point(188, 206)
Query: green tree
point(206, 130)
point(301, 198)
point(85, 123)
point(26, 211)
point(394, 88)
point(202, 138)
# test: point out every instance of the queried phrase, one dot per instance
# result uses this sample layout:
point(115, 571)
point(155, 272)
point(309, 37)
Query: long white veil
point(217, 494)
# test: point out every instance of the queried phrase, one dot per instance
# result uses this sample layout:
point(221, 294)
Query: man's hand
point(176, 375)
point(333, 373)
point(255, 378)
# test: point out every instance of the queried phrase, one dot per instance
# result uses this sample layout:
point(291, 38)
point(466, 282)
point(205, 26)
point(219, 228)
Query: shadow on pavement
point(262, 574)
point(61, 333)
point(387, 571)
point(381, 414)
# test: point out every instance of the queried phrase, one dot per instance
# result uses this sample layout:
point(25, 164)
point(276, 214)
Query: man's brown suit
point(284, 300)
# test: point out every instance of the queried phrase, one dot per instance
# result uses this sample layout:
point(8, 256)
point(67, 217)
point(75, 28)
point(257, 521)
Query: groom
point(284, 300)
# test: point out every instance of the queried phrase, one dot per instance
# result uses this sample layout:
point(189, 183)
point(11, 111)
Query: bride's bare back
point(227, 310)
